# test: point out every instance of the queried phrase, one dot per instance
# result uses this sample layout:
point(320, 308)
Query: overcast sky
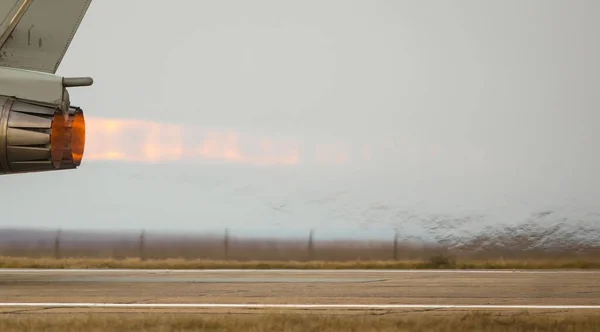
point(246, 106)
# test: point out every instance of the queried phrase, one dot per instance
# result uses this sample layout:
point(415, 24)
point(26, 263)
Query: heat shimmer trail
point(141, 141)
point(152, 142)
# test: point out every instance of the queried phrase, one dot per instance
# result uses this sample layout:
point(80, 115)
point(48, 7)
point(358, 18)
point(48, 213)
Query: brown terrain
point(561, 283)
point(302, 287)
point(121, 250)
point(298, 322)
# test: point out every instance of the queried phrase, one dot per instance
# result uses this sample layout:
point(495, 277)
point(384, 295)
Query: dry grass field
point(292, 322)
point(437, 262)
point(89, 250)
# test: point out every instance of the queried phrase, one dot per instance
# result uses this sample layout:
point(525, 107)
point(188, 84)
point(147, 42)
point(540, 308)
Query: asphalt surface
point(328, 289)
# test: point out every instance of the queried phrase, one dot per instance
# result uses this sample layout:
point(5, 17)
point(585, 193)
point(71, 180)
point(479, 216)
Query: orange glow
point(67, 140)
point(151, 142)
point(78, 138)
point(59, 139)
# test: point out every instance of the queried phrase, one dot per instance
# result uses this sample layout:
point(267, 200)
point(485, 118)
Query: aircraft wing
point(35, 34)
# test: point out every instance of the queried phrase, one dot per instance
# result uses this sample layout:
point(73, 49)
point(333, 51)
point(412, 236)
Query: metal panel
point(8, 9)
point(26, 137)
point(31, 166)
point(26, 153)
point(65, 165)
point(11, 21)
point(31, 108)
point(30, 85)
point(42, 37)
point(4, 111)
point(22, 120)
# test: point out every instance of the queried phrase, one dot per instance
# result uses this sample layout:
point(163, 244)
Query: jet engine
point(39, 128)
point(36, 138)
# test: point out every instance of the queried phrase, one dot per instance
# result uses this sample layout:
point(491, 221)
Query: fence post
point(142, 244)
point(311, 249)
point(57, 245)
point(226, 243)
point(396, 245)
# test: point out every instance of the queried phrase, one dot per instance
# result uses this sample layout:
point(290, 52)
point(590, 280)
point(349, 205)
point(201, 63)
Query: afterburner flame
point(150, 142)
point(59, 141)
point(67, 140)
point(78, 138)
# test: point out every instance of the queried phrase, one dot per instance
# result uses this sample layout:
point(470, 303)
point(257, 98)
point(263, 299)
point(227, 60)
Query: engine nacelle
point(36, 138)
point(39, 128)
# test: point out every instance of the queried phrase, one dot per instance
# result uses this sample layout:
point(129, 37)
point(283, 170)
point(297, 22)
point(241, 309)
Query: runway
point(333, 290)
point(303, 271)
